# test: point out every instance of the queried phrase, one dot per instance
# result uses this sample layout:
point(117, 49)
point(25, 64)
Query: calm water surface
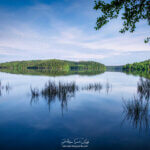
point(110, 111)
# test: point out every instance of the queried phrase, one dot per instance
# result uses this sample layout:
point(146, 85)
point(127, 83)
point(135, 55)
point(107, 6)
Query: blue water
point(95, 115)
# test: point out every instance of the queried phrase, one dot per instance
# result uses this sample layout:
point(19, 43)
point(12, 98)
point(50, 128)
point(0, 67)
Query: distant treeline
point(52, 66)
point(141, 68)
point(114, 68)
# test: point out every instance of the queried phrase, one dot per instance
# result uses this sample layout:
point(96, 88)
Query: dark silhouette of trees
point(134, 12)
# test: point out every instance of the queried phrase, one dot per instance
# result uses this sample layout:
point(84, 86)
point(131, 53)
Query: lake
point(108, 111)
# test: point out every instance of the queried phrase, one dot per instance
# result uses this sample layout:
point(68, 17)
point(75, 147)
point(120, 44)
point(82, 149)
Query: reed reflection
point(4, 88)
point(143, 89)
point(137, 113)
point(34, 95)
point(52, 91)
point(62, 91)
point(136, 110)
point(108, 87)
point(93, 87)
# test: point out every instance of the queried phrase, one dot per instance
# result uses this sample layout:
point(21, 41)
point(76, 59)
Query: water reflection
point(136, 110)
point(143, 88)
point(34, 95)
point(4, 87)
point(93, 87)
point(48, 72)
point(108, 87)
point(58, 91)
point(63, 91)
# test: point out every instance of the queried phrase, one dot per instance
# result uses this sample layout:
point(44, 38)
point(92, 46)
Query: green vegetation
point(141, 68)
point(56, 67)
point(52, 67)
point(133, 11)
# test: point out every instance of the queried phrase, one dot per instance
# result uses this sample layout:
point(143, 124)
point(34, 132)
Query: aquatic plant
point(93, 86)
point(5, 87)
point(143, 88)
point(136, 112)
point(62, 91)
point(34, 94)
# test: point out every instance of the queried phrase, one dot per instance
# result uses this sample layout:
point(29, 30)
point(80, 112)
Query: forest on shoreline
point(52, 67)
point(138, 68)
point(53, 64)
point(55, 67)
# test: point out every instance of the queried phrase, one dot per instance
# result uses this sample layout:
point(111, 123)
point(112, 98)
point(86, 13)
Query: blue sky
point(64, 29)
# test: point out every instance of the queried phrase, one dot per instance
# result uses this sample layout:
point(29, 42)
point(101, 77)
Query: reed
point(143, 88)
point(136, 112)
point(93, 86)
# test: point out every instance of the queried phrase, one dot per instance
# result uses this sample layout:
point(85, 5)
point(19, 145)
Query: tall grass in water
point(34, 94)
point(61, 91)
point(143, 88)
point(136, 112)
point(108, 87)
point(52, 90)
point(93, 86)
point(3, 87)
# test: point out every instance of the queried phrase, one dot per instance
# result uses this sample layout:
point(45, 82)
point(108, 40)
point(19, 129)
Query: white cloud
point(62, 40)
